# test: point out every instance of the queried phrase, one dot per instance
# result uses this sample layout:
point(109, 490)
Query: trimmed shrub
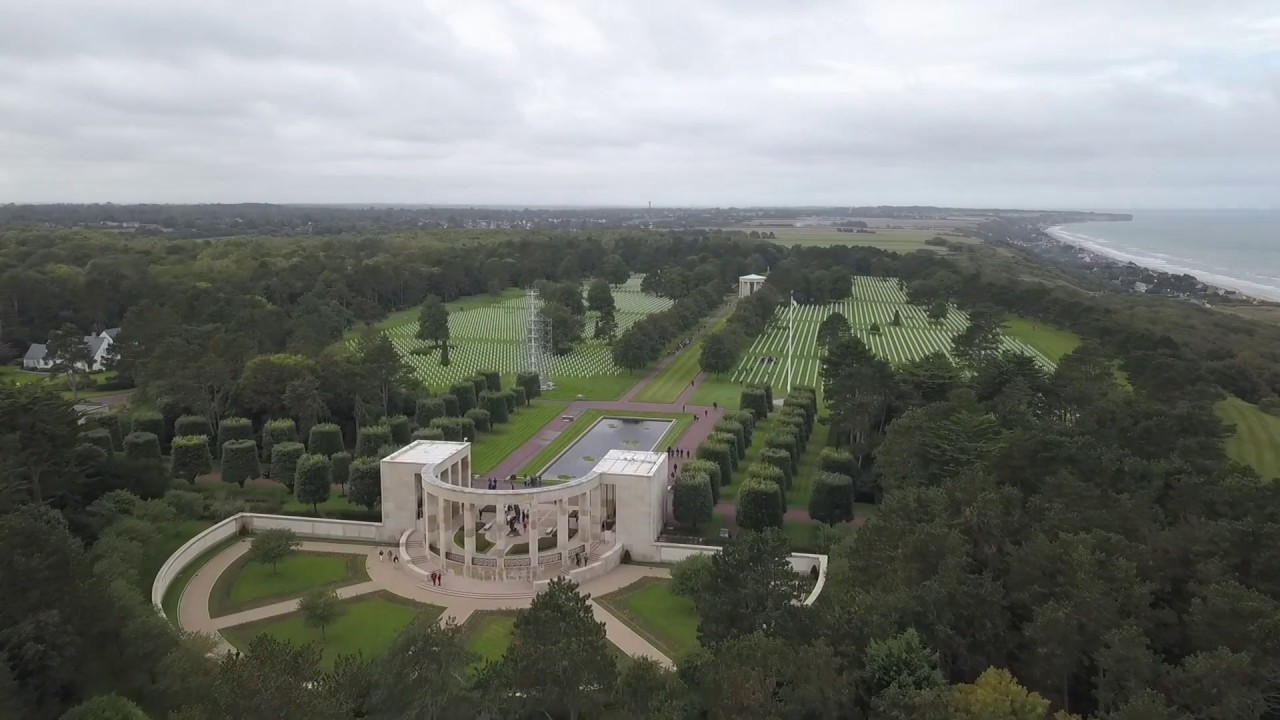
point(190, 457)
point(692, 501)
point(480, 384)
point(793, 425)
point(748, 421)
point(769, 473)
point(240, 461)
point(708, 468)
point(400, 432)
point(802, 408)
point(468, 429)
point(781, 460)
point(186, 504)
point(732, 441)
point(768, 393)
point(480, 418)
point(89, 455)
point(510, 399)
point(340, 468)
point(147, 422)
point(142, 446)
point(192, 425)
point(277, 431)
point(836, 460)
point(98, 437)
point(496, 406)
point(493, 380)
point(753, 400)
point(371, 438)
point(313, 480)
point(718, 453)
point(759, 505)
point(452, 408)
point(466, 394)
point(522, 398)
point(428, 433)
point(785, 439)
point(325, 439)
point(531, 383)
point(831, 500)
point(284, 462)
point(449, 427)
point(111, 422)
point(428, 409)
point(234, 428)
point(734, 428)
point(365, 484)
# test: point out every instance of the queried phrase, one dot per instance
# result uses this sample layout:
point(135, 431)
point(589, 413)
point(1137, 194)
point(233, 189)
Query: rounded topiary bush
point(234, 428)
point(277, 431)
point(111, 422)
point(190, 457)
point(480, 384)
point(691, 500)
point(718, 453)
point(148, 422)
point(428, 409)
point(192, 425)
point(831, 499)
point(284, 462)
point(531, 383)
point(510, 399)
point(837, 460)
point(465, 392)
point(734, 428)
point(468, 428)
point(781, 460)
point(313, 480)
point(708, 468)
point(747, 419)
point(325, 439)
point(371, 438)
point(98, 437)
point(452, 408)
point(753, 400)
point(365, 484)
point(495, 404)
point(142, 446)
point(400, 431)
point(785, 439)
point(428, 433)
point(480, 418)
point(493, 380)
point(759, 505)
point(89, 455)
point(340, 468)
point(240, 461)
point(793, 425)
point(450, 427)
point(731, 440)
point(522, 398)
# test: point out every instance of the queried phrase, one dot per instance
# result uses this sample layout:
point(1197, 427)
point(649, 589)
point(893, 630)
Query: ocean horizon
point(1234, 249)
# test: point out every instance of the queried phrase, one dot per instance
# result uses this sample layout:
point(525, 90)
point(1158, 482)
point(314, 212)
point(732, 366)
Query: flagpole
point(791, 323)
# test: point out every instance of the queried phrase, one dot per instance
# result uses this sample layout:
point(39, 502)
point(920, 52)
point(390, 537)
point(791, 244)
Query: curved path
point(193, 607)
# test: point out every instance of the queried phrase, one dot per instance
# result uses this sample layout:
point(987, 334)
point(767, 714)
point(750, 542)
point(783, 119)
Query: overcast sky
point(1049, 103)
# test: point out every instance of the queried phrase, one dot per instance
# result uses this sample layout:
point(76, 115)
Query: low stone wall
point(802, 563)
point(309, 528)
point(599, 568)
point(185, 555)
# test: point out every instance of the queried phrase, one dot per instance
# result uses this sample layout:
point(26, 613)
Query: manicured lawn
point(674, 379)
point(249, 584)
point(583, 422)
point(492, 447)
point(488, 634)
point(718, 390)
point(798, 495)
point(669, 622)
point(482, 543)
point(368, 625)
point(598, 387)
point(1256, 441)
point(1052, 342)
point(164, 543)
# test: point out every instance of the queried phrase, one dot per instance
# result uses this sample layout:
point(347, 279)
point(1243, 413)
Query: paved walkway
point(193, 608)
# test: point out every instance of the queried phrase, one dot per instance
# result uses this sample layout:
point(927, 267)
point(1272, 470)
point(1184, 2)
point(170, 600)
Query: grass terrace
point(666, 620)
point(247, 584)
point(1256, 440)
point(492, 447)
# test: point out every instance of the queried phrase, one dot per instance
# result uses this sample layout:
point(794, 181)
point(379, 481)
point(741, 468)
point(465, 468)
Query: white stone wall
point(802, 563)
point(640, 507)
point(185, 555)
point(399, 497)
point(318, 528)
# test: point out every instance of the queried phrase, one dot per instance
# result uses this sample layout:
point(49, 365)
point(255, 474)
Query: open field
point(583, 422)
point(1256, 441)
point(488, 333)
point(368, 624)
point(897, 239)
point(24, 377)
point(647, 606)
point(492, 447)
point(487, 634)
point(247, 584)
point(874, 300)
point(1049, 341)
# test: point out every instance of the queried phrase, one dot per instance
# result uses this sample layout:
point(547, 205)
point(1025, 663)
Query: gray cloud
point(1142, 103)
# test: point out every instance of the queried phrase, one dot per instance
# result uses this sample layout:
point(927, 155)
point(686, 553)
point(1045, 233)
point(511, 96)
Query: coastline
point(1243, 288)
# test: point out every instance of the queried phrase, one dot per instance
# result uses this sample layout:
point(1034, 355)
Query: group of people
point(437, 577)
point(388, 555)
point(528, 480)
point(768, 359)
point(516, 516)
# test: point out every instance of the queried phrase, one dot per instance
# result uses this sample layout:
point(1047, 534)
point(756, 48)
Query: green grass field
point(492, 447)
point(368, 625)
point(1256, 441)
point(721, 391)
point(669, 622)
point(896, 239)
point(667, 386)
point(583, 422)
point(24, 377)
point(1050, 341)
point(247, 584)
point(487, 634)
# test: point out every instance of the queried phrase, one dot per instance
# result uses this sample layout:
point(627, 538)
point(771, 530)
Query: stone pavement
point(397, 578)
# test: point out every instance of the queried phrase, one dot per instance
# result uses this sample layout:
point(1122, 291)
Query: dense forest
point(1065, 544)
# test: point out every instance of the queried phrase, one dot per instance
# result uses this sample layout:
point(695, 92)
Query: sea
point(1234, 249)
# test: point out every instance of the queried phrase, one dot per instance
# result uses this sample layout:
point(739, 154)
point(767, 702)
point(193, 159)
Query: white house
point(749, 284)
point(38, 357)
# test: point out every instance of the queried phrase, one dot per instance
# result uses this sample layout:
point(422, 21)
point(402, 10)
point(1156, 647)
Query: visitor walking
point(380, 557)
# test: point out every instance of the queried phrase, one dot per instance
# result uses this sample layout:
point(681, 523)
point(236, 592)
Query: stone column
point(500, 549)
point(587, 517)
point(533, 540)
point(468, 536)
point(562, 531)
point(442, 527)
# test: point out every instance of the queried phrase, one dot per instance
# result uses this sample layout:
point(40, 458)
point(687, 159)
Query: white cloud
point(991, 102)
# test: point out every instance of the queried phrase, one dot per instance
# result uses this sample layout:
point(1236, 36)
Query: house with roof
point(38, 357)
